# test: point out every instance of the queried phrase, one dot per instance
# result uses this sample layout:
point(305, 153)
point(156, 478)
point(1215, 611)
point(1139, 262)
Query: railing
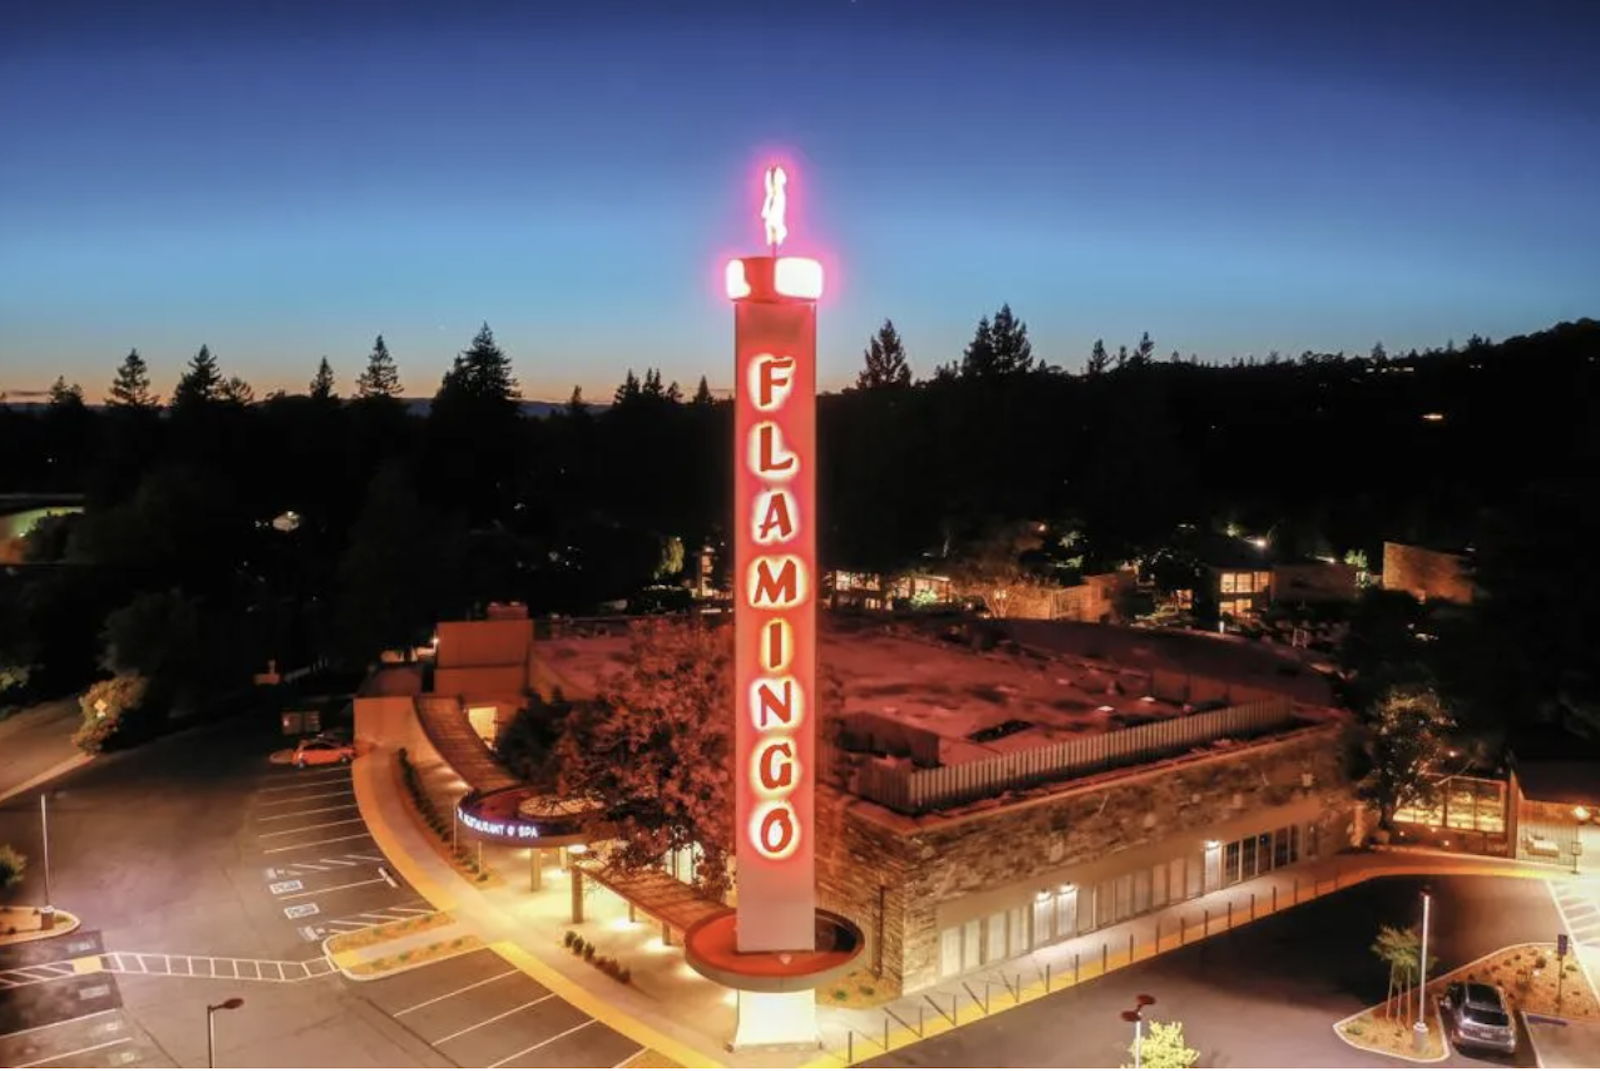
point(915, 791)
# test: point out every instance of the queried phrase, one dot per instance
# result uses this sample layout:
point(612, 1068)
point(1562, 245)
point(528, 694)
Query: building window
point(1263, 581)
point(1229, 580)
point(1017, 924)
point(1044, 906)
point(950, 952)
point(994, 948)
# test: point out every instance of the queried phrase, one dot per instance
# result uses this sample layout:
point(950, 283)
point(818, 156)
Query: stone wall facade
point(1427, 574)
point(904, 879)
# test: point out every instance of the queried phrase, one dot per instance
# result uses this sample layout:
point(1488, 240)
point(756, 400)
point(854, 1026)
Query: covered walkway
point(460, 746)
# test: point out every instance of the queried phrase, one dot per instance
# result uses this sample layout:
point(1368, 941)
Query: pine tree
point(702, 394)
point(1099, 360)
point(576, 406)
point(1009, 336)
point(321, 388)
point(652, 383)
point(885, 358)
point(482, 372)
point(979, 361)
point(381, 379)
point(1380, 355)
point(674, 392)
point(1144, 353)
point(628, 392)
point(201, 382)
point(64, 395)
point(131, 388)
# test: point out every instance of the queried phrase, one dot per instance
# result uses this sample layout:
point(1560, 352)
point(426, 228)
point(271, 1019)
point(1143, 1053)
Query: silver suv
point(1480, 1018)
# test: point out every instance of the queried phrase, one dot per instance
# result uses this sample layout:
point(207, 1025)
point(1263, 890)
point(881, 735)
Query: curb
point(61, 929)
point(443, 898)
point(58, 770)
point(1438, 1021)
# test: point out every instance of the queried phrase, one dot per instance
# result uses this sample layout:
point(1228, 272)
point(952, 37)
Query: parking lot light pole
point(1136, 1017)
point(231, 1004)
point(1419, 1035)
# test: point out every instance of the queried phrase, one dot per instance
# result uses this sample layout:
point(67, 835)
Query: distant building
point(1313, 582)
point(1428, 574)
point(486, 666)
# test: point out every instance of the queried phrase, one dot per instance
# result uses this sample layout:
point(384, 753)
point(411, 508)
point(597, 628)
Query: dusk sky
point(285, 180)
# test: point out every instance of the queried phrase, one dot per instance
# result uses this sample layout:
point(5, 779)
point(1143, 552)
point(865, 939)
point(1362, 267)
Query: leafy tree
point(1406, 737)
point(393, 571)
point(112, 709)
point(200, 384)
point(380, 379)
point(1163, 1045)
point(235, 391)
point(13, 865)
point(886, 364)
point(131, 387)
point(992, 564)
point(64, 395)
point(157, 636)
point(1401, 951)
point(322, 385)
point(655, 749)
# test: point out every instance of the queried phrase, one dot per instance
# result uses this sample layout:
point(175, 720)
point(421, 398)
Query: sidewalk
point(673, 1010)
point(36, 746)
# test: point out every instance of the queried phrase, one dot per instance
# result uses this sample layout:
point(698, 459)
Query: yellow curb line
point(596, 1008)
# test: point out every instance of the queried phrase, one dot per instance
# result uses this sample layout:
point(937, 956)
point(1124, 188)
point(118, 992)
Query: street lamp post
point(231, 1004)
point(1136, 1017)
point(47, 918)
point(1419, 1032)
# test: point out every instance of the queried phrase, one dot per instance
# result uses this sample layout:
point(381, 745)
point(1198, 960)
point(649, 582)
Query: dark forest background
point(308, 526)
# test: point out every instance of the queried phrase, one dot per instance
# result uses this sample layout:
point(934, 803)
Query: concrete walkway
point(36, 746)
point(670, 1008)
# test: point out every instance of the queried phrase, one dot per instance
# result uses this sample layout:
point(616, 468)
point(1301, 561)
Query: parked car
point(1480, 1017)
point(323, 750)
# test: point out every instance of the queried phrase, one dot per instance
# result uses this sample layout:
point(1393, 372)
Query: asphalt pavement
point(203, 872)
point(1264, 995)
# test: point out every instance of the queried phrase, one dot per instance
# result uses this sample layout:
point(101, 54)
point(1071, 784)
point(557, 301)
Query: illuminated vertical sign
point(775, 563)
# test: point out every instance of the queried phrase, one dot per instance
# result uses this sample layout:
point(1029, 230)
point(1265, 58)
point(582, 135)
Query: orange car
point(323, 751)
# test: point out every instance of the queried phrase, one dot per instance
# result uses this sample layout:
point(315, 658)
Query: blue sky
point(286, 180)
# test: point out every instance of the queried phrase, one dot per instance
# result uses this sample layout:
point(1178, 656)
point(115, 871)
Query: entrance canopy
point(659, 895)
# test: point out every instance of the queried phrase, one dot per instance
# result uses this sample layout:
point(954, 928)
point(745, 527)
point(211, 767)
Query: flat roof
point(979, 704)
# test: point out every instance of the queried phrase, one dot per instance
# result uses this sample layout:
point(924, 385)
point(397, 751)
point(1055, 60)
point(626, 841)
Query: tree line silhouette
point(389, 518)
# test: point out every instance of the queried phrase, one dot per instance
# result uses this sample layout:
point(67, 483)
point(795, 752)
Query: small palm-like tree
point(13, 864)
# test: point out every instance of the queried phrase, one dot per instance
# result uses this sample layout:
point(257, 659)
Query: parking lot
point(324, 875)
point(480, 1011)
point(318, 863)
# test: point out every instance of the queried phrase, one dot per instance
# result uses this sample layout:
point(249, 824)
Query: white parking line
point(493, 1019)
point(315, 843)
point(453, 993)
point(540, 1045)
point(310, 810)
point(63, 1022)
point(310, 782)
point(336, 888)
point(625, 1061)
point(307, 799)
point(307, 829)
point(77, 1052)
